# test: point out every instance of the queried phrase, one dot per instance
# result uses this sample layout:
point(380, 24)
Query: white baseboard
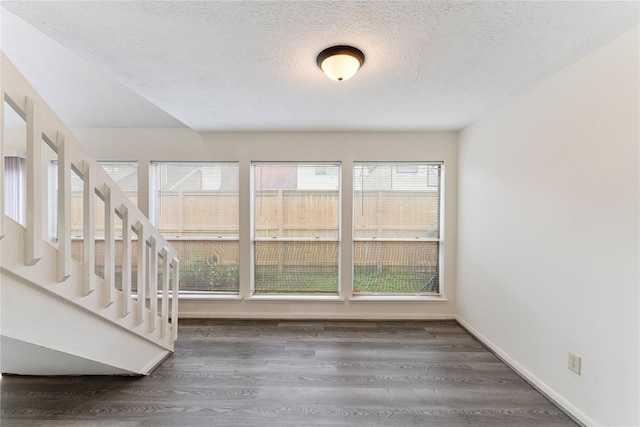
point(573, 412)
point(312, 316)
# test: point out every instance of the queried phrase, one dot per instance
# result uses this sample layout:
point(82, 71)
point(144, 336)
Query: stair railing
point(155, 256)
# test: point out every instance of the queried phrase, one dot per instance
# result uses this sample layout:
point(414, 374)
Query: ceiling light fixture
point(340, 63)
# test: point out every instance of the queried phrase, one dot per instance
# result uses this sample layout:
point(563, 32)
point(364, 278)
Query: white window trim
point(418, 297)
point(184, 294)
point(253, 239)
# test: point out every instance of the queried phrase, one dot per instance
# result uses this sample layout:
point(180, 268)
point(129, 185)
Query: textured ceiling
point(251, 65)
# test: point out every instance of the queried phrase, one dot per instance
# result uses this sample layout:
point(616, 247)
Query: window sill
point(396, 298)
point(296, 298)
point(209, 297)
point(310, 298)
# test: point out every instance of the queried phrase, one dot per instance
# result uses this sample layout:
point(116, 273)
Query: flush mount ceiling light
point(340, 63)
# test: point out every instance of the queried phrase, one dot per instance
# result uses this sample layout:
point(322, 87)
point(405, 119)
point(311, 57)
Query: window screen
point(296, 228)
point(196, 207)
point(396, 219)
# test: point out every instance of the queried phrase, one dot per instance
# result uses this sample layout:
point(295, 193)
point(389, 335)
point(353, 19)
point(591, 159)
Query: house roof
point(251, 65)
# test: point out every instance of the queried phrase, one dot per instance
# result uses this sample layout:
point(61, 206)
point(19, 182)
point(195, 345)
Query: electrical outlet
point(574, 363)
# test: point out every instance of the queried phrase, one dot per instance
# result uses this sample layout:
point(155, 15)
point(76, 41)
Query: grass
point(204, 275)
point(296, 280)
point(393, 280)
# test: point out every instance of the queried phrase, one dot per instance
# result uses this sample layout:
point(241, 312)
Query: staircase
point(58, 317)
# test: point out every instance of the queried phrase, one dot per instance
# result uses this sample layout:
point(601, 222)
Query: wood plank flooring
point(295, 373)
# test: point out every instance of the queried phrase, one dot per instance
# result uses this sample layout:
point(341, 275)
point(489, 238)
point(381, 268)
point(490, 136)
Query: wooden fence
point(289, 214)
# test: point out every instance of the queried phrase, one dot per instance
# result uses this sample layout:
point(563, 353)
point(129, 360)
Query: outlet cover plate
point(574, 363)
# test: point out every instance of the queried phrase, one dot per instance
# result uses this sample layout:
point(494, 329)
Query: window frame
point(336, 165)
point(440, 239)
point(153, 216)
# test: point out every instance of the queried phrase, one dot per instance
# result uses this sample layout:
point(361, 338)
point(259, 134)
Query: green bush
point(205, 274)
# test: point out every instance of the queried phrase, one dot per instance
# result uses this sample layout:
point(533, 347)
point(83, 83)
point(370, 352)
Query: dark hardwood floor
point(296, 373)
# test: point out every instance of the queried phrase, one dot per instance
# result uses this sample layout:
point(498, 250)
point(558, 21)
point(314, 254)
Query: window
point(15, 188)
point(125, 175)
point(396, 219)
point(296, 228)
point(196, 208)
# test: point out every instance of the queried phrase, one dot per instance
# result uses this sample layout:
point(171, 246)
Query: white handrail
point(44, 125)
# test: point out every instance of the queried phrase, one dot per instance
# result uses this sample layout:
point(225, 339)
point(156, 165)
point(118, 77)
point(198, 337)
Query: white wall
point(548, 233)
point(184, 145)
